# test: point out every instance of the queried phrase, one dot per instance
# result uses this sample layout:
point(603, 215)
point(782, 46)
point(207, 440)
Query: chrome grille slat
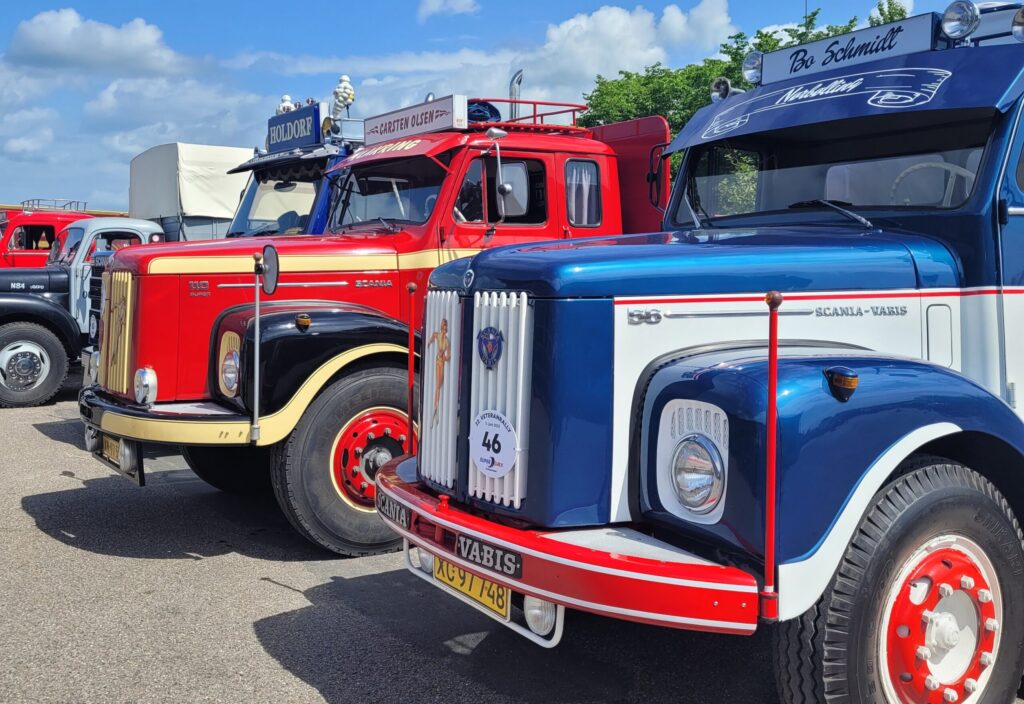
point(438, 461)
point(115, 346)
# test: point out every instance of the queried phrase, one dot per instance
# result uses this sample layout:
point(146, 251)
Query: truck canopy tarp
point(951, 79)
point(190, 180)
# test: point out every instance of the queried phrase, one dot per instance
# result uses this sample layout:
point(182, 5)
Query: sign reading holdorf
point(871, 44)
point(297, 128)
point(447, 113)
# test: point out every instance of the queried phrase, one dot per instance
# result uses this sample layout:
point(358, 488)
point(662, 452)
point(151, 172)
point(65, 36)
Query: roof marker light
point(1017, 28)
point(961, 18)
point(752, 67)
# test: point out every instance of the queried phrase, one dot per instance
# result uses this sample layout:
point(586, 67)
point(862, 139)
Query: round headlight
point(94, 327)
point(229, 372)
point(752, 66)
point(698, 473)
point(145, 385)
point(1018, 25)
point(961, 18)
point(94, 366)
point(540, 615)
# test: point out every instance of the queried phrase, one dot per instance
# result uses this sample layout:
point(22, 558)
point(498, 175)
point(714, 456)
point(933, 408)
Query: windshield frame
point(248, 199)
point(64, 250)
point(678, 216)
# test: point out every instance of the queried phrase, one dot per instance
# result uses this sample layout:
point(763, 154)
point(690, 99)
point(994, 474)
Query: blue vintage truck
point(598, 428)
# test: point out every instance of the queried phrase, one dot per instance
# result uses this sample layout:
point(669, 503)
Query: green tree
point(887, 11)
point(679, 93)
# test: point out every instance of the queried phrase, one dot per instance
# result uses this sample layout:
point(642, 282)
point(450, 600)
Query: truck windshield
point(67, 244)
point(403, 190)
point(274, 204)
point(869, 163)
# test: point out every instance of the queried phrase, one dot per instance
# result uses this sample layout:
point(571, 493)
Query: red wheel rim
point(362, 447)
point(942, 625)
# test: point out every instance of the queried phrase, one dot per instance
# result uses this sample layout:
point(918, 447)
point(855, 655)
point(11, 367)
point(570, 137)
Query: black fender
point(297, 362)
point(32, 308)
point(833, 455)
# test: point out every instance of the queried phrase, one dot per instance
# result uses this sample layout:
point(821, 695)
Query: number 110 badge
point(492, 444)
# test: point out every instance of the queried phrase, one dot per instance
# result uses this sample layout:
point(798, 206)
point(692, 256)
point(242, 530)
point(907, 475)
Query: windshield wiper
point(391, 227)
point(836, 206)
point(695, 207)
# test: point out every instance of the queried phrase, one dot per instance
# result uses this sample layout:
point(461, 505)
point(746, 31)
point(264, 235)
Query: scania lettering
point(795, 408)
point(333, 338)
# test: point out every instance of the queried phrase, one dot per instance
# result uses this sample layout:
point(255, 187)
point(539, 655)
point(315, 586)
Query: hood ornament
point(467, 278)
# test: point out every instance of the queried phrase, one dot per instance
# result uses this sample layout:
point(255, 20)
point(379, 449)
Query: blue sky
point(86, 86)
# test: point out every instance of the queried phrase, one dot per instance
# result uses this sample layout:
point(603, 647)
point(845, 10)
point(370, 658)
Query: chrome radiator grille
point(115, 342)
point(442, 359)
point(504, 387)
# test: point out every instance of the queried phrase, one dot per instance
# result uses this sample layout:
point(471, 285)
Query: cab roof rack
point(53, 204)
point(532, 116)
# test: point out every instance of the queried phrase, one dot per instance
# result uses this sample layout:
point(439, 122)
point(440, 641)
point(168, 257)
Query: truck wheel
point(234, 470)
point(325, 472)
point(33, 365)
point(926, 606)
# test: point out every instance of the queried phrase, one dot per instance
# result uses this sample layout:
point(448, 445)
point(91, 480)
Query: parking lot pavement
point(177, 592)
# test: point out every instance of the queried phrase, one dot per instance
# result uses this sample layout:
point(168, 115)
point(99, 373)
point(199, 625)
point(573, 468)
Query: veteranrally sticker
point(492, 444)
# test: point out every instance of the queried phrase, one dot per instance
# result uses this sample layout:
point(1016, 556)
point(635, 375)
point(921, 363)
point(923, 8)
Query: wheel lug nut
point(371, 436)
point(362, 487)
point(986, 659)
point(991, 625)
point(970, 685)
point(984, 596)
point(966, 582)
point(387, 431)
point(924, 652)
point(931, 683)
point(949, 695)
point(945, 589)
point(401, 438)
point(927, 616)
point(359, 451)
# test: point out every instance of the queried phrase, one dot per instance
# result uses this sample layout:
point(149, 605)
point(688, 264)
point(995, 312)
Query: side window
point(469, 204)
point(534, 182)
point(582, 193)
point(727, 181)
point(19, 240)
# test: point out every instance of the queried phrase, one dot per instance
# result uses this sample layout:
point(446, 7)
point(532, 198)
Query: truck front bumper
point(111, 421)
point(613, 571)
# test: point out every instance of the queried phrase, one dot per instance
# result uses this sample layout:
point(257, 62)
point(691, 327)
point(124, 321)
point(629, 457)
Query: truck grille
point(505, 387)
point(95, 298)
point(114, 371)
point(439, 429)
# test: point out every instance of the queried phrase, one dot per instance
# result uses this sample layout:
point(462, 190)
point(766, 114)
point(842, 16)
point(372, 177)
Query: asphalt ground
point(178, 593)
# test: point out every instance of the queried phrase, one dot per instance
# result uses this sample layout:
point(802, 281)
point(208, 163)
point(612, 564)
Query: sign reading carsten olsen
point(871, 44)
point(447, 113)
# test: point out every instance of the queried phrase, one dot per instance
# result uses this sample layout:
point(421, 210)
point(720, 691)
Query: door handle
point(565, 232)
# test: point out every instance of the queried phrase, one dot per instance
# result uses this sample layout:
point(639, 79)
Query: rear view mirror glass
point(271, 269)
point(517, 201)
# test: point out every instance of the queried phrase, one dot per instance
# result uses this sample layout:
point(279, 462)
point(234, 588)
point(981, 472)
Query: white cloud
point(429, 8)
point(25, 133)
point(18, 87)
point(62, 39)
point(706, 25)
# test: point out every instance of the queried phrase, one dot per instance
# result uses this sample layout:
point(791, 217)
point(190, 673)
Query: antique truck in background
point(445, 179)
point(623, 426)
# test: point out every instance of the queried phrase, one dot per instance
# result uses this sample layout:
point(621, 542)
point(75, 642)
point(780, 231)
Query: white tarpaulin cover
point(190, 180)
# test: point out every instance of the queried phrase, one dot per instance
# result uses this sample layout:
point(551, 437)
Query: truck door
point(29, 245)
point(633, 143)
point(1009, 302)
point(530, 214)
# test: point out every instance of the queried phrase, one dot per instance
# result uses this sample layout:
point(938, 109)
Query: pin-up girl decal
point(443, 356)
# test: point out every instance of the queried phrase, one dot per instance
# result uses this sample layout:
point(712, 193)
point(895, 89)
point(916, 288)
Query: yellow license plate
point(111, 449)
point(493, 596)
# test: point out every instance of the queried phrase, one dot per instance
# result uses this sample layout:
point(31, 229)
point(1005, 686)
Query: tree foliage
point(677, 93)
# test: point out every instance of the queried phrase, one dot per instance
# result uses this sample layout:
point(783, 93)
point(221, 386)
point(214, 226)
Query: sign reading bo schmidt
point(298, 128)
point(871, 44)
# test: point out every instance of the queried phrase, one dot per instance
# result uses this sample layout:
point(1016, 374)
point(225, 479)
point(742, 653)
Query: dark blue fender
point(51, 313)
point(831, 454)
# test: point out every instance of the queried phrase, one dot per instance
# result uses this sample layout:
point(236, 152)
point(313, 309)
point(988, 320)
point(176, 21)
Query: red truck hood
point(350, 251)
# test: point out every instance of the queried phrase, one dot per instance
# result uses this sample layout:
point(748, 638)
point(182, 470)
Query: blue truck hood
point(735, 261)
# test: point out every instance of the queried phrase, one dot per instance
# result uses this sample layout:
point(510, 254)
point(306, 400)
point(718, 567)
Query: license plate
point(490, 595)
point(112, 449)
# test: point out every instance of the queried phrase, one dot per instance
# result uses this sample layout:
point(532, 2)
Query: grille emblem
point(467, 278)
point(489, 344)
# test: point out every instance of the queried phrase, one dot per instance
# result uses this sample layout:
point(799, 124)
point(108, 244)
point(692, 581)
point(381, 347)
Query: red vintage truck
point(179, 348)
point(28, 233)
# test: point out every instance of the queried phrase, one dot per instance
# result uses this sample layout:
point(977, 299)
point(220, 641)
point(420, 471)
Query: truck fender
point(297, 364)
point(37, 309)
point(834, 455)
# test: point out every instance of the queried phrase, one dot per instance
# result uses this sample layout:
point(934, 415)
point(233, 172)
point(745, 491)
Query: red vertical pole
point(411, 288)
point(769, 595)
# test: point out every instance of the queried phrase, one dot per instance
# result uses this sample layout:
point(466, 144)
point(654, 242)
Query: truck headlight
point(229, 372)
point(94, 366)
point(145, 385)
point(698, 473)
point(753, 67)
point(961, 18)
point(1017, 27)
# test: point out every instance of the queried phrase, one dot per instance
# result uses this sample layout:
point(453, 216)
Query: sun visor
point(952, 79)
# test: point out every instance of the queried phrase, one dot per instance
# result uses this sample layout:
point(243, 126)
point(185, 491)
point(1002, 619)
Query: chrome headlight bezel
point(230, 375)
point(682, 421)
point(960, 19)
point(753, 67)
point(145, 386)
point(698, 445)
point(1017, 25)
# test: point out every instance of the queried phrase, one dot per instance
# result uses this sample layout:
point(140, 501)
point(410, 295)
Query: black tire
point(302, 475)
point(830, 653)
point(240, 470)
point(56, 358)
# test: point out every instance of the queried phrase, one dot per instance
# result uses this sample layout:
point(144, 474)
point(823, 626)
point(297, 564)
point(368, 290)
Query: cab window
point(727, 181)
point(31, 238)
point(582, 193)
point(469, 203)
point(113, 241)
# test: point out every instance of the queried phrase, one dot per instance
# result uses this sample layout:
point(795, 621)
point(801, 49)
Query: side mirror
point(655, 174)
point(271, 269)
point(514, 191)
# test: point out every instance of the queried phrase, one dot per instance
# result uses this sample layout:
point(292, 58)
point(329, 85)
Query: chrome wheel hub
point(23, 366)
